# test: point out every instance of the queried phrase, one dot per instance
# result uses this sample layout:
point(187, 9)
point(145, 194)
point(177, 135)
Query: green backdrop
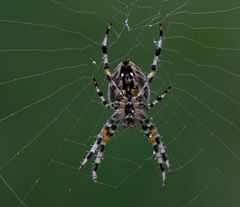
point(50, 114)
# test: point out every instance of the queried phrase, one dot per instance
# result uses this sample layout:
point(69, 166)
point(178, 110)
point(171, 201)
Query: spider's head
point(127, 76)
point(125, 62)
point(129, 119)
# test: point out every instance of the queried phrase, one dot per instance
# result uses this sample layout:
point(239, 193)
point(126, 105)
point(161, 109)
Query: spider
point(128, 95)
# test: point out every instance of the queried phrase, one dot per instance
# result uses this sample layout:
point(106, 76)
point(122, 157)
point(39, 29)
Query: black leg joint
point(154, 67)
point(158, 140)
point(144, 127)
point(111, 134)
point(95, 167)
point(101, 147)
point(158, 50)
point(164, 156)
point(104, 49)
point(151, 127)
point(106, 65)
point(99, 140)
point(89, 154)
point(155, 148)
point(161, 33)
point(147, 121)
point(150, 80)
point(159, 98)
point(113, 127)
point(162, 166)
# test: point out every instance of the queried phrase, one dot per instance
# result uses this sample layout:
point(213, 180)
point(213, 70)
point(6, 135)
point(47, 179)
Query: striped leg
point(98, 161)
point(160, 155)
point(92, 150)
point(157, 53)
point(159, 98)
point(104, 136)
point(105, 61)
point(112, 125)
point(99, 93)
point(105, 54)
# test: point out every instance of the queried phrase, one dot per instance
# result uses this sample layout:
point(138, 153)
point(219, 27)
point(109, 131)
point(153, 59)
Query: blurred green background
point(50, 114)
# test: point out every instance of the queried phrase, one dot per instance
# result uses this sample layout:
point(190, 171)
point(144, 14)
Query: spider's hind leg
point(110, 128)
point(103, 137)
point(159, 150)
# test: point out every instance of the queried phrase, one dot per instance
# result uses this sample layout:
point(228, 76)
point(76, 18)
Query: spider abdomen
point(129, 79)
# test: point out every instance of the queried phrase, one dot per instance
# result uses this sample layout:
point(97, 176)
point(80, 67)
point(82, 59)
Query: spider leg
point(104, 101)
point(157, 54)
point(159, 150)
point(112, 125)
point(105, 61)
point(103, 137)
point(159, 98)
point(99, 93)
point(105, 54)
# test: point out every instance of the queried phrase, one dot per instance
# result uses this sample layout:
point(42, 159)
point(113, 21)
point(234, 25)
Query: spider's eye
point(122, 74)
point(131, 74)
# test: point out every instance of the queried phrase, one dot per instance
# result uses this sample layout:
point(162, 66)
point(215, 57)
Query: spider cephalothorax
point(128, 95)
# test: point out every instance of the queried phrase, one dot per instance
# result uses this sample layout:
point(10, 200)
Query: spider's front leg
point(159, 150)
point(157, 54)
point(103, 137)
point(105, 53)
point(106, 62)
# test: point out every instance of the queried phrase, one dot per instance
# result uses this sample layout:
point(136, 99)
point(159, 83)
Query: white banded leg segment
point(98, 161)
point(91, 151)
point(163, 152)
point(155, 60)
point(161, 158)
point(156, 56)
point(104, 48)
point(160, 161)
point(159, 98)
point(105, 60)
point(99, 93)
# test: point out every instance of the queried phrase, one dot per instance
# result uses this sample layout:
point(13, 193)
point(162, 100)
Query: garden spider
point(128, 95)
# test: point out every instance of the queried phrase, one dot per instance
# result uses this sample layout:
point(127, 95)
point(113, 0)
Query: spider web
point(50, 113)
